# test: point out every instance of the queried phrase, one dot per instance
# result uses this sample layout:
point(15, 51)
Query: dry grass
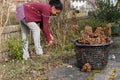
point(34, 68)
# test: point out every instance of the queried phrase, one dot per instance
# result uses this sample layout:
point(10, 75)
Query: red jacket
point(38, 12)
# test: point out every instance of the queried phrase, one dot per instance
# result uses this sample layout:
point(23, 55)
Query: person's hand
point(51, 37)
point(50, 43)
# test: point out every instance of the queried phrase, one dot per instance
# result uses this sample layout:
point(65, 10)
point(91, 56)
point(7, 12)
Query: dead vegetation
point(4, 15)
point(86, 67)
point(99, 36)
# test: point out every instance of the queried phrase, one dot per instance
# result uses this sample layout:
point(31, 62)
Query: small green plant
point(15, 48)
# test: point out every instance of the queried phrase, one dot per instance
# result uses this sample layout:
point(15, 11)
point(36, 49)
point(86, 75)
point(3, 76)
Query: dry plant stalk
point(4, 15)
point(73, 29)
point(99, 36)
point(60, 25)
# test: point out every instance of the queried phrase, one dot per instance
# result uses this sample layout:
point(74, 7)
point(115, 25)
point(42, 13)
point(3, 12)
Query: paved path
point(70, 72)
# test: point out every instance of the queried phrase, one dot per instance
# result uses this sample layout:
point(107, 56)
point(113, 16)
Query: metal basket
point(96, 55)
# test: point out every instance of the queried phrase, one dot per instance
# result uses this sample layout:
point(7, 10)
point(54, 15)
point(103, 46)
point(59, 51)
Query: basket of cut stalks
point(92, 47)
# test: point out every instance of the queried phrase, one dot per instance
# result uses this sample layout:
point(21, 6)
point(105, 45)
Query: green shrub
point(15, 48)
point(94, 23)
point(107, 11)
point(115, 29)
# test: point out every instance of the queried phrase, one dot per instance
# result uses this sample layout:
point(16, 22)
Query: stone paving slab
point(104, 75)
point(117, 75)
point(68, 73)
point(113, 64)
